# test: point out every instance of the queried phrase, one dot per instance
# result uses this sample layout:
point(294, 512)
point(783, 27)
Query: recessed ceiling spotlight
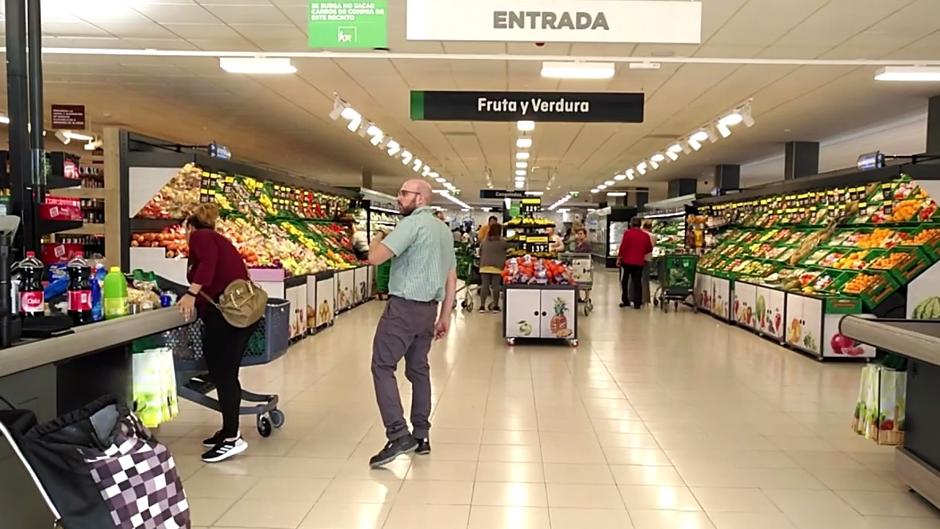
point(522, 156)
point(524, 143)
point(521, 172)
point(620, 177)
point(602, 187)
point(594, 191)
point(525, 126)
point(522, 164)
point(609, 183)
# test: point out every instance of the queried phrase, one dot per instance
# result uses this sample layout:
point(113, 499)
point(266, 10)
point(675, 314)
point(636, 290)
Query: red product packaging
point(53, 253)
point(53, 211)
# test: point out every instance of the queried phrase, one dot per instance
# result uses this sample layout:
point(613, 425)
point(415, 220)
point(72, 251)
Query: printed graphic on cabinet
point(722, 295)
point(361, 290)
point(326, 301)
point(297, 296)
point(344, 289)
point(804, 327)
point(923, 295)
point(769, 308)
point(311, 302)
point(745, 296)
point(523, 313)
point(704, 291)
point(838, 346)
point(558, 319)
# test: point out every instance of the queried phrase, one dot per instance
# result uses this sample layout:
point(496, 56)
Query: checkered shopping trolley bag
point(99, 468)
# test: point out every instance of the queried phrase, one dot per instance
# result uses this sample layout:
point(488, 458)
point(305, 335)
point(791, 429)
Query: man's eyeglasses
point(403, 192)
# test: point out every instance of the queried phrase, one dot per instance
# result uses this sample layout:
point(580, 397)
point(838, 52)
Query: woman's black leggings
point(224, 346)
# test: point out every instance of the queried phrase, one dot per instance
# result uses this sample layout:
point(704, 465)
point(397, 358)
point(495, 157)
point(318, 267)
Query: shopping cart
point(468, 271)
point(676, 277)
point(581, 266)
point(268, 343)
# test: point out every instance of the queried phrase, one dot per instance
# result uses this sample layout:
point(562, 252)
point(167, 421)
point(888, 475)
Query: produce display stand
point(917, 462)
point(540, 312)
point(669, 225)
point(812, 250)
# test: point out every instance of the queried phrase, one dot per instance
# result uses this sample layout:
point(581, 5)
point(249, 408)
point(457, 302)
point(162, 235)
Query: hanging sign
point(347, 24)
point(618, 21)
point(68, 117)
point(601, 107)
point(217, 150)
point(501, 193)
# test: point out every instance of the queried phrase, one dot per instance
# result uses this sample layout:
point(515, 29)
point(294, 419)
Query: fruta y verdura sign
point(337, 24)
point(652, 21)
point(604, 107)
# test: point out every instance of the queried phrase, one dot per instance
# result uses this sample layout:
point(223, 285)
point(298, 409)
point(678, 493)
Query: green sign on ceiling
point(347, 24)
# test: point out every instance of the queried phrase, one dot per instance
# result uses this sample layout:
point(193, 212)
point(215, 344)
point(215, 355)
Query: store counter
point(918, 461)
point(56, 375)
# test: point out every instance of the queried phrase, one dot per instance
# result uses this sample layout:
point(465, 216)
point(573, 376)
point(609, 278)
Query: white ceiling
point(283, 121)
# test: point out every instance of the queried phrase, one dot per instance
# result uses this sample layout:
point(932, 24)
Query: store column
point(642, 196)
point(367, 178)
point(682, 186)
point(727, 177)
point(801, 158)
point(933, 125)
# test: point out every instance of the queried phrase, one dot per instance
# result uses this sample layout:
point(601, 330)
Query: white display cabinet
point(545, 312)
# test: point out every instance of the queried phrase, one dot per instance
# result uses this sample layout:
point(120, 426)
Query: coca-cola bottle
point(32, 300)
point(79, 291)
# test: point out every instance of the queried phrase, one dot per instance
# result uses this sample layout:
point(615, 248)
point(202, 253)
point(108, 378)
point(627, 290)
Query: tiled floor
point(656, 421)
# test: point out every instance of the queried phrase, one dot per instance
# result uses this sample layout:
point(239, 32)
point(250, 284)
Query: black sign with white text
point(501, 193)
point(587, 107)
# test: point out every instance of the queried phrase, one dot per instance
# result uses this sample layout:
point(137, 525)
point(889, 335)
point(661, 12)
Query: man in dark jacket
point(631, 259)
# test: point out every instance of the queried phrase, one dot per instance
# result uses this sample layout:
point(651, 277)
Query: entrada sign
point(616, 21)
point(602, 107)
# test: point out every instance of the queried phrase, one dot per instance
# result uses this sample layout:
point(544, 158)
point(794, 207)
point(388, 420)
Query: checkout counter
point(917, 462)
point(57, 375)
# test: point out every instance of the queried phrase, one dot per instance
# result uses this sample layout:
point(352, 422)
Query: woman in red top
point(634, 247)
point(214, 263)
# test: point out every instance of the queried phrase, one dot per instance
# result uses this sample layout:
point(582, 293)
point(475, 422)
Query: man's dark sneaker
point(225, 450)
point(402, 445)
point(424, 447)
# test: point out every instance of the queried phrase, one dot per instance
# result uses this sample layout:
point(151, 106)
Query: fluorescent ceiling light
point(675, 148)
point(909, 73)
point(78, 136)
point(522, 165)
point(594, 190)
point(654, 164)
point(609, 183)
point(525, 126)
point(616, 194)
point(521, 172)
point(5, 120)
point(524, 143)
point(257, 65)
point(620, 177)
point(672, 156)
point(602, 187)
point(699, 136)
point(522, 156)
point(578, 70)
point(696, 146)
point(658, 157)
point(520, 185)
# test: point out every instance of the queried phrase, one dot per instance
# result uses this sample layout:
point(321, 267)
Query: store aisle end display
point(540, 291)
point(794, 258)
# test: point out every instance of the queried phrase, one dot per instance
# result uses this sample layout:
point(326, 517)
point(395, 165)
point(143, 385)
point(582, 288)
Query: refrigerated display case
point(605, 228)
point(376, 211)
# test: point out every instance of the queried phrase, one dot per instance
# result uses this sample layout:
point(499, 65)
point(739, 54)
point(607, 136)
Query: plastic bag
point(880, 410)
point(155, 399)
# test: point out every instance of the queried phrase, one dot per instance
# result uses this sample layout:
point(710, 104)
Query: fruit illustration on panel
point(559, 322)
point(525, 328)
point(928, 309)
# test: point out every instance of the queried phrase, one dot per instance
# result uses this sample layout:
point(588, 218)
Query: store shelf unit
point(376, 211)
point(669, 226)
point(804, 253)
point(917, 462)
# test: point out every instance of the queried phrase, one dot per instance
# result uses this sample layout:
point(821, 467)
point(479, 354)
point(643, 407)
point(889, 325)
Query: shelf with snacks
point(857, 245)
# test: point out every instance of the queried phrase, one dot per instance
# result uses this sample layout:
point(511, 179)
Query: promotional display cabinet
point(544, 312)
point(797, 256)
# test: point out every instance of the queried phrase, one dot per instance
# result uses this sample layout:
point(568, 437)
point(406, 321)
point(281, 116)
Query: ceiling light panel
point(257, 65)
point(578, 70)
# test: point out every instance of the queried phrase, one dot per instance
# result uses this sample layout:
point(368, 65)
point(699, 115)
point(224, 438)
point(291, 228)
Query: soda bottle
point(79, 291)
point(32, 299)
point(115, 294)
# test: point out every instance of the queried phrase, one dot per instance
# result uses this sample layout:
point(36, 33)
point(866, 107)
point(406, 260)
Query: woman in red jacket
point(634, 247)
point(214, 263)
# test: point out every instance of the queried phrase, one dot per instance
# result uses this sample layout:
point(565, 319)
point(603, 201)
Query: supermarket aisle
point(654, 422)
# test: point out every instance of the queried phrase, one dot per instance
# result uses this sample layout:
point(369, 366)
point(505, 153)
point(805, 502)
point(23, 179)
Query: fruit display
point(529, 222)
point(670, 236)
point(531, 270)
point(861, 283)
point(177, 197)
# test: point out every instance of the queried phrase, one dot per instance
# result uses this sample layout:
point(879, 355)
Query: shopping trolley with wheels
point(676, 278)
point(581, 266)
point(468, 271)
point(268, 343)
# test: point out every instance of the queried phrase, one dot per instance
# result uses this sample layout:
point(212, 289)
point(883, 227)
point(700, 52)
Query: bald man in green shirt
point(422, 287)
